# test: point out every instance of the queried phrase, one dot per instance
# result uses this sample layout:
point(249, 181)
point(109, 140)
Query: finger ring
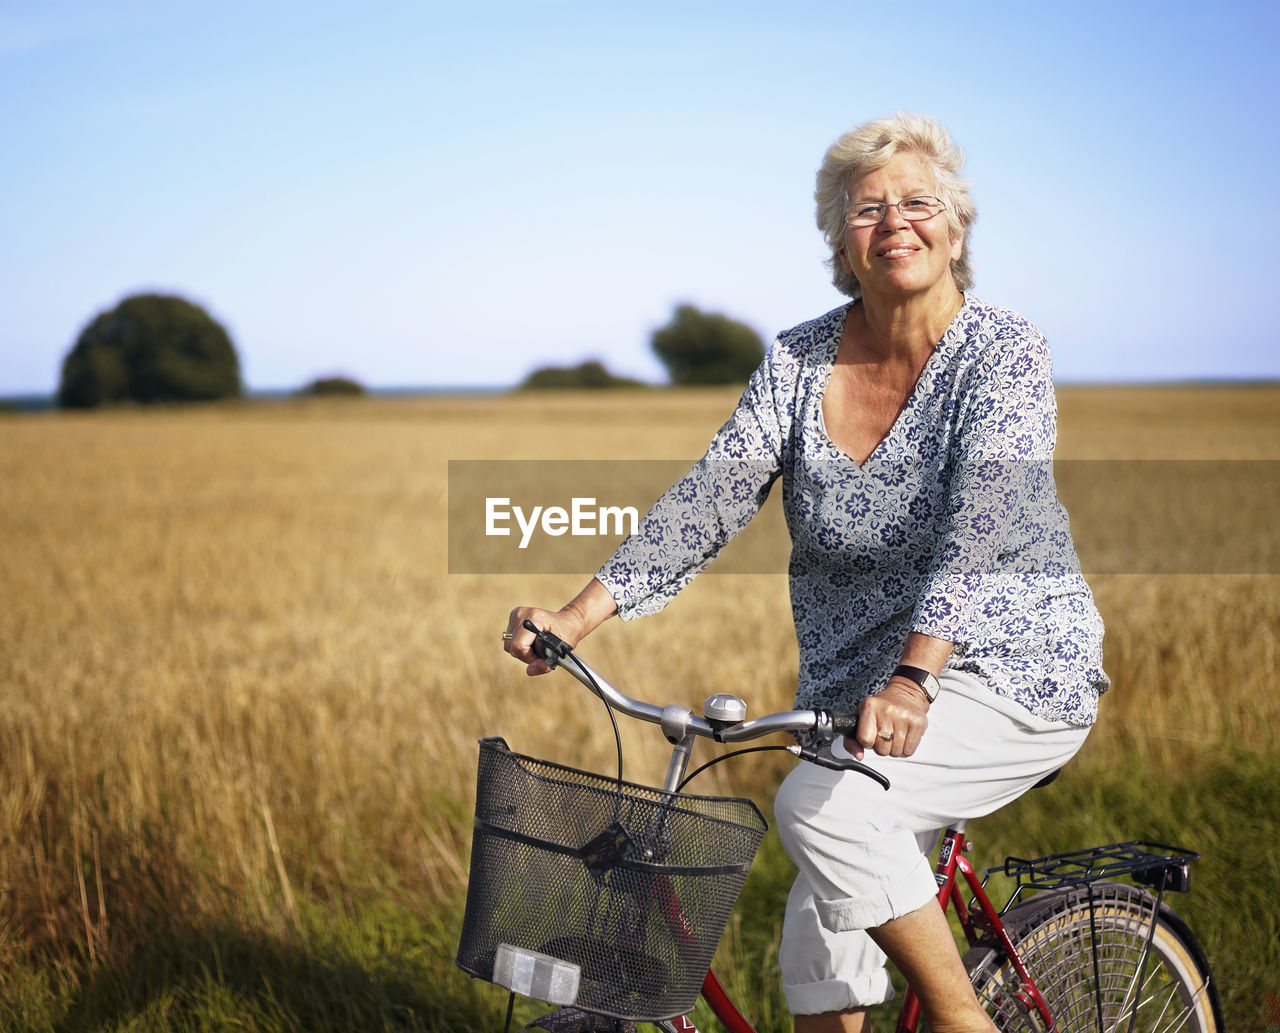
point(507, 636)
point(886, 738)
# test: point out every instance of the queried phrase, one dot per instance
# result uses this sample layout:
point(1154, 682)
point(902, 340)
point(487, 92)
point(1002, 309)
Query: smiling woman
point(895, 244)
point(870, 148)
point(934, 584)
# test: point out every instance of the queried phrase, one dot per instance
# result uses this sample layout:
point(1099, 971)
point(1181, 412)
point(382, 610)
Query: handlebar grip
point(549, 647)
point(845, 723)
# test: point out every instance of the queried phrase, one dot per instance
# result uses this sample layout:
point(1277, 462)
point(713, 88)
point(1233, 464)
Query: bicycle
point(622, 892)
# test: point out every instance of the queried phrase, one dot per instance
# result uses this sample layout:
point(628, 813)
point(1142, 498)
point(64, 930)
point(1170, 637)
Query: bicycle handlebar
point(678, 722)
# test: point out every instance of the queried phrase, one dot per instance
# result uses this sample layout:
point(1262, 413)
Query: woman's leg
point(922, 947)
point(863, 874)
point(828, 972)
point(854, 1021)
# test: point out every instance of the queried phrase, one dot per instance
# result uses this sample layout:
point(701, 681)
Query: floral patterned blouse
point(951, 528)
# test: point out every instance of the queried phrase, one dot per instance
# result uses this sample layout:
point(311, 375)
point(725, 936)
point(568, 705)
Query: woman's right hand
point(565, 623)
point(572, 622)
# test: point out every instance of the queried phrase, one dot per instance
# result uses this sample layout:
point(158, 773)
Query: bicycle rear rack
point(1151, 864)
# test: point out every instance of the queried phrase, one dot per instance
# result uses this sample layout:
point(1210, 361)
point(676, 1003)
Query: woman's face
point(898, 258)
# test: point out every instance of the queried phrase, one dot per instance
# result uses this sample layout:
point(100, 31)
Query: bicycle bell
point(724, 709)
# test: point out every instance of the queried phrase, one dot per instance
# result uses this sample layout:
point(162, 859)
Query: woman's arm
point(680, 535)
point(695, 518)
point(686, 528)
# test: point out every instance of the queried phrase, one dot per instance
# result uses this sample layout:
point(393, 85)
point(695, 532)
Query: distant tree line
point(158, 348)
point(590, 374)
point(331, 387)
point(695, 347)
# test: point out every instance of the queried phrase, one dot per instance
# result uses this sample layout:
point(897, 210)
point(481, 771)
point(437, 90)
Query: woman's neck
point(906, 328)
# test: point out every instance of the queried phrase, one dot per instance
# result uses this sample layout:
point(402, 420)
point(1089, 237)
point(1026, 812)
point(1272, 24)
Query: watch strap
point(927, 681)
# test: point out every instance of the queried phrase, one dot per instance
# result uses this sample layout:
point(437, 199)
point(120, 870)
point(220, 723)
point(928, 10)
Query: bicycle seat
point(1047, 779)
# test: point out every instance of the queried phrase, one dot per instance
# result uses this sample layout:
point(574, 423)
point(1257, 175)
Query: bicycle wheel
point(1059, 934)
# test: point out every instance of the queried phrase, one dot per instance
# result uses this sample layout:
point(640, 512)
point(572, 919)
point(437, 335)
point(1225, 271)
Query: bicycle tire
point(1054, 933)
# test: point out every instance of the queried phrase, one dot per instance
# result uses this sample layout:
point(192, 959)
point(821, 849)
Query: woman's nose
point(893, 219)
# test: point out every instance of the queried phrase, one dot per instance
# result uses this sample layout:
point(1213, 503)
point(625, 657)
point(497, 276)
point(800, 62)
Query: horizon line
point(1203, 380)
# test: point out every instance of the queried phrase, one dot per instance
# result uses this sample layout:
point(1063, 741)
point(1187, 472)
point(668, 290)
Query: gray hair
point(872, 146)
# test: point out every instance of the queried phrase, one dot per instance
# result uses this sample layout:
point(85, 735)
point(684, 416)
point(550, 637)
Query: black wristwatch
point(925, 679)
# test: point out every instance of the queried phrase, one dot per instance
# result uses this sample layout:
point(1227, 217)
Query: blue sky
point(452, 193)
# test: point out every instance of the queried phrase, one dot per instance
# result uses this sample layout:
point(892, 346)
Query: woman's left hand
point(892, 721)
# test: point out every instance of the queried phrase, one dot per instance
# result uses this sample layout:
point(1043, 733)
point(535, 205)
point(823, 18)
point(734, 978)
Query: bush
point(150, 348)
point(707, 348)
point(330, 386)
point(590, 374)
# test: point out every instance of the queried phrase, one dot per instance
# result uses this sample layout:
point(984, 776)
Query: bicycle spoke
point(1171, 997)
point(1169, 992)
point(1105, 956)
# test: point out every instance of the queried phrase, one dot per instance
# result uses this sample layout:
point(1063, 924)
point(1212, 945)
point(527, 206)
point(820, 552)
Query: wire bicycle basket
point(629, 885)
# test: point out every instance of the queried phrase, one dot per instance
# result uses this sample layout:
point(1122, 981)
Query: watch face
point(924, 679)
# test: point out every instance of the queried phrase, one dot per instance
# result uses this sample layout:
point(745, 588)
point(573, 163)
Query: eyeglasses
point(872, 213)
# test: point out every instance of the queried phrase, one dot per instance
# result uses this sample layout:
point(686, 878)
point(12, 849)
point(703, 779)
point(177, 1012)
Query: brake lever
point(823, 757)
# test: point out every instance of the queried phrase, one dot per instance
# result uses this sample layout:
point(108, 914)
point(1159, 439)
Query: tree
point(590, 374)
point(331, 386)
point(707, 348)
point(150, 348)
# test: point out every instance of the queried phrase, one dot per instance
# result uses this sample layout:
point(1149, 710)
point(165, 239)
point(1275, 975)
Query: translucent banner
point(1127, 516)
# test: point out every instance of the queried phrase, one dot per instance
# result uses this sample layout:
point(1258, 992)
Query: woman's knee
point(802, 804)
point(817, 806)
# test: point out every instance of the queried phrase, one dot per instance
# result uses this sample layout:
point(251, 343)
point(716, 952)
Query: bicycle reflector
point(535, 975)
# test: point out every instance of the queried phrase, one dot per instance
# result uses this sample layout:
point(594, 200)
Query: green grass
point(381, 957)
point(376, 965)
point(1224, 807)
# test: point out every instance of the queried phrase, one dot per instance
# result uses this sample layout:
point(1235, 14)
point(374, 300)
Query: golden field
point(238, 681)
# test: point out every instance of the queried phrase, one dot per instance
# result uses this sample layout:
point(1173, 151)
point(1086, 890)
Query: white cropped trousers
point(862, 852)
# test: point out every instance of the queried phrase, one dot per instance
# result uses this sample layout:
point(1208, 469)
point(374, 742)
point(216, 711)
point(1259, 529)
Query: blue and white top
point(951, 528)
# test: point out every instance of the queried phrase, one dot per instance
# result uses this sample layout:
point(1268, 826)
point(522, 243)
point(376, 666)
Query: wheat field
point(240, 692)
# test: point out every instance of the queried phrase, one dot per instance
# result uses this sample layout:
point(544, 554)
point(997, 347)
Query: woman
point(933, 576)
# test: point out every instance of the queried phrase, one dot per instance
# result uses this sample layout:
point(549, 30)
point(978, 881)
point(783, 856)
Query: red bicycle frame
point(985, 918)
